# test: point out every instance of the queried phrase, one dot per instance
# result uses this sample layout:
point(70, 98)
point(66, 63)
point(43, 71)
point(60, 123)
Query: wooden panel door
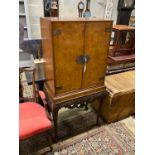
point(96, 45)
point(67, 45)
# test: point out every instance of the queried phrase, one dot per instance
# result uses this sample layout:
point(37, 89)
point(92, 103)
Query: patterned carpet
point(113, 139)
point(78, 135)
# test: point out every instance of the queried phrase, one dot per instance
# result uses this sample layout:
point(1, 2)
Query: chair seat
point(32, 120)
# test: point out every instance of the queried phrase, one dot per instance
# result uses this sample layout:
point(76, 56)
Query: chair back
point(23, 84)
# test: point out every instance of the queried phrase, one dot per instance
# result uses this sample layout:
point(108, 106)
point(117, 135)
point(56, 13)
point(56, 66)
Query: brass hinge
point(58, 88)
point(56, 32)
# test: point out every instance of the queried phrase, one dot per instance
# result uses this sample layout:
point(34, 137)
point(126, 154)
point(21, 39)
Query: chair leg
point(49, 138)
point(20, 150)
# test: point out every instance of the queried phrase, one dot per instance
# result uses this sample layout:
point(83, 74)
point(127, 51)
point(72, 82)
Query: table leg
point(102, 99)
point(55, 119)
point(99, 111)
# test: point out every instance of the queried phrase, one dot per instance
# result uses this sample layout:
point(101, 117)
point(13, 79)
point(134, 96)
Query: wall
point(68, 8)
point(36, 10)
point(106, 9)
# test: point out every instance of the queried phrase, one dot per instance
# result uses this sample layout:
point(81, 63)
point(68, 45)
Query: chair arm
point(42, 95)
point(43, 98)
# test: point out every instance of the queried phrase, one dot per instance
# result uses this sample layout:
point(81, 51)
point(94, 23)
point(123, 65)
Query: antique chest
point(75, 54)
point(120, 101)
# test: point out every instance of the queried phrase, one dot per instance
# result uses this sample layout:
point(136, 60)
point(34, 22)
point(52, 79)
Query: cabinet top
point(58, 19)
point(123, 27)
point(121, 82)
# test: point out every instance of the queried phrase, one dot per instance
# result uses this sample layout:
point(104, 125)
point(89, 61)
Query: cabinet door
point(96, 46)
point(67, 45)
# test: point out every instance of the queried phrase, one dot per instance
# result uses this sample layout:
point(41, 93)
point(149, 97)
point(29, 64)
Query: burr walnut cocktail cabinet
point(75, 53)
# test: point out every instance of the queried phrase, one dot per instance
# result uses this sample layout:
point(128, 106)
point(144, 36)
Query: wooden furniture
point(75, 53)
point(33, 118)
point(39, 76)
point(120, 101)
point(26, 60)
point(132, 21)
point(22, 98)
point(118, 68)
point(125, 8)
point(122, 50)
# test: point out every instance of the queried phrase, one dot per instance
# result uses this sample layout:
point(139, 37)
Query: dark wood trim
point(74, 94)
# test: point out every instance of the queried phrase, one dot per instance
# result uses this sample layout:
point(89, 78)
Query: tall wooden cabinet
point(75, 52)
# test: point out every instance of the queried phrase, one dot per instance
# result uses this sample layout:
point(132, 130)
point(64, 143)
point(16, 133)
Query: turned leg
point(55, 119)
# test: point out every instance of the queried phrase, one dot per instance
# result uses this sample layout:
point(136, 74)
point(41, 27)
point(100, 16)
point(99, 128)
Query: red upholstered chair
point(33, 118)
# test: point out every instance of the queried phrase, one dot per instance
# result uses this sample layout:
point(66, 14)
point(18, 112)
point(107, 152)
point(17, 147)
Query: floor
point(65, 113)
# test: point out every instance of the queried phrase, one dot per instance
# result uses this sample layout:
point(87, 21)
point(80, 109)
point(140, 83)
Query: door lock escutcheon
point(82, 59)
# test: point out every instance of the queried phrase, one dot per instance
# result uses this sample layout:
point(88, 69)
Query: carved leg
point(99, 110)
point(102, 100)
point(86, 106)
point(55, 119)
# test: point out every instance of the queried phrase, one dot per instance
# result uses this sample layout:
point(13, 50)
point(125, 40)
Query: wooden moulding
point(123, 27)
point(74, 94)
